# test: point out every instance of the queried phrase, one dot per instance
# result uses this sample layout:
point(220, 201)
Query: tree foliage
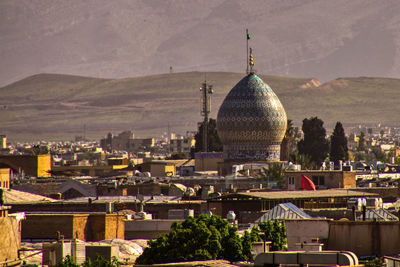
point(214, 143)
point(314, 143)
point(207, 237)
point(276, 233)
point(287, 139)
point(303, 160)
point(100, 261)
point(362, 146)
point(339, 150)
point(275, 172)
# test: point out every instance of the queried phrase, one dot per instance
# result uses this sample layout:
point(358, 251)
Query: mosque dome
point(251, 121)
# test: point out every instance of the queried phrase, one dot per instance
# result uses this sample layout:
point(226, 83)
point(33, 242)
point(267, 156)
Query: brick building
point(94, 226)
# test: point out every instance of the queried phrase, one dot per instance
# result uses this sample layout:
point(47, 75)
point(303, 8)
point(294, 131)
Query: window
point(318, 180)
point(291, 180)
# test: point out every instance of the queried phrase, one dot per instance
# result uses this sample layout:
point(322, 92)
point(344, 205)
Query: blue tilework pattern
point(251, 121)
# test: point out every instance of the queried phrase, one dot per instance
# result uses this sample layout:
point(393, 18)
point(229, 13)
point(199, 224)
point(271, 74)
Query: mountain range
point(59, 107)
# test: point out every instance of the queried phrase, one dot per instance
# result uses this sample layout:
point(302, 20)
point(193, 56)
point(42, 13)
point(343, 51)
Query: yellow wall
point(43, 165)
point(5, 178)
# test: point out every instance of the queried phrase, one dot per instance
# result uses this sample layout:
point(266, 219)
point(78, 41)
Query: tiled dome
point(251, 121)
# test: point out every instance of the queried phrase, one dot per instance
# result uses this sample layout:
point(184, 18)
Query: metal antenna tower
point(205, 111)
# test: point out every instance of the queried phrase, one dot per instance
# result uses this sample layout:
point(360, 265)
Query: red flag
point(306, 183)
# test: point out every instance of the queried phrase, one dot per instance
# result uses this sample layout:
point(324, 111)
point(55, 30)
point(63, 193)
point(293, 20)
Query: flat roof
point(298, 194)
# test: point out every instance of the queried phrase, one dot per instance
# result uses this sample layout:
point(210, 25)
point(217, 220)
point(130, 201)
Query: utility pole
point(205, 111)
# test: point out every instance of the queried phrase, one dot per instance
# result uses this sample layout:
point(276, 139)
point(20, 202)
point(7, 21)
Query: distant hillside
point(55, 106)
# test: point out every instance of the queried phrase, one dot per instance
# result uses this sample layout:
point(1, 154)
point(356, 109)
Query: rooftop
point(12, 196)
point(298, 194)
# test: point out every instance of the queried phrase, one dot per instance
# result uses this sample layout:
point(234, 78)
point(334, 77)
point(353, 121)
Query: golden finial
point(251, 61)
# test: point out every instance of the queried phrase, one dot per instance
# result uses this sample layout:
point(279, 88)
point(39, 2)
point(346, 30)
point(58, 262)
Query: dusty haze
point(125, 38)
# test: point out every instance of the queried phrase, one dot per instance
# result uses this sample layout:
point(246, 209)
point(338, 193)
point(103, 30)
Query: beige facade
point(208, 161)
point(321, 179)
point(10, 238)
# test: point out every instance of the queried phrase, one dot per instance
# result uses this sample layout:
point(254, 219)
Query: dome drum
point(256, 151)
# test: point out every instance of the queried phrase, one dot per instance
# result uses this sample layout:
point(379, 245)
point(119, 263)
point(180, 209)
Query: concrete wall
point(300, 231)
point(147, 229)
point(10, 238)
point(365, 238)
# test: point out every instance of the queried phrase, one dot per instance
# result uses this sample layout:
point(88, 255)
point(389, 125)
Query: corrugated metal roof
point(284, 211)
point(378, 215)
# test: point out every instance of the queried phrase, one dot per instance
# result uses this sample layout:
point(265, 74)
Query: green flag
point(248, 36)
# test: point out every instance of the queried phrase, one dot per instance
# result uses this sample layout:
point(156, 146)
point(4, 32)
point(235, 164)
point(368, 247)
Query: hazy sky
point(124, 38)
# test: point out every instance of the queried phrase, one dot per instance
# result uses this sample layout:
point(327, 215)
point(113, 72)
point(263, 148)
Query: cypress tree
point(339, 150)
point(314, 143)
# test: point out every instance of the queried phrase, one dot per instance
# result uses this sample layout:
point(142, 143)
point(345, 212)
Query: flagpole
point(247, 51)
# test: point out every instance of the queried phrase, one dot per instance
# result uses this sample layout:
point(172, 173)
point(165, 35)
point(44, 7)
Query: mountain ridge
point(58, 107)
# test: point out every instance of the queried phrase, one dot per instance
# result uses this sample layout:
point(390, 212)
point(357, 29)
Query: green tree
point(276, 233)
point(287, 139)
point(377, 262)
point(274, 173)
point(303, 160)
point(378, 154)
point(361, 142)
point(339, 150)
point(314, 143)
point(214, 143)
point(100, 261)
point(207, 237)
point(67, 262)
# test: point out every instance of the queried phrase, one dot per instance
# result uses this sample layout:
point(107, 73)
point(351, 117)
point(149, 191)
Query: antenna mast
point(247, 51)
point(205, 111)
